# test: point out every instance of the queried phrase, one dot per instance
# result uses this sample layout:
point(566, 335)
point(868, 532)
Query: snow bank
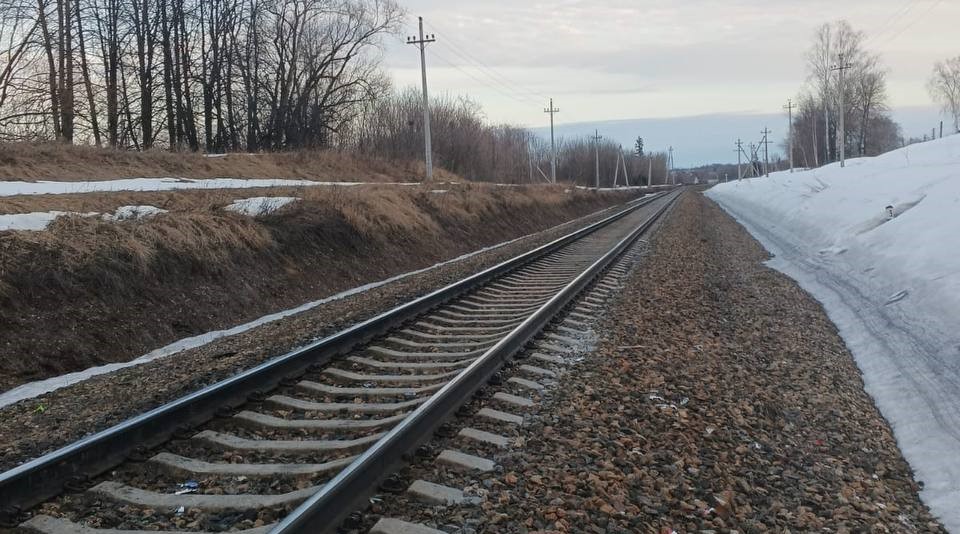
point(259, 205)
point(162, 184)
point(878, 243)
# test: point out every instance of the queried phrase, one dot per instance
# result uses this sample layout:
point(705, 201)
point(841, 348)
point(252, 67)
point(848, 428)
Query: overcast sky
point(622, 59)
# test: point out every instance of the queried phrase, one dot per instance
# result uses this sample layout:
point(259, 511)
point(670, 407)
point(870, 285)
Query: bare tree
point(944, 88)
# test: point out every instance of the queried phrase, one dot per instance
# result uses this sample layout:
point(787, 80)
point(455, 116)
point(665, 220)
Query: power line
point(914, 23)
point(491, 81)
point(464, 53)
point(887, 24)
point(453, 65)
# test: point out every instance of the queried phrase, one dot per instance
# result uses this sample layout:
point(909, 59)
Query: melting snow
point(36, 221)
point(163, 184)
point(878, 243)
point(259, 205)
point(126, 213)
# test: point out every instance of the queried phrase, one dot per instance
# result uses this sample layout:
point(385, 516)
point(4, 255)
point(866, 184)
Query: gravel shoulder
point(720, 398)
point(37, 426)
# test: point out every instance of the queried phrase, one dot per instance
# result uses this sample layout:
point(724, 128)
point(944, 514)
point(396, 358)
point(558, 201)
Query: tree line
point(868, 128)
point(250, 76)
point(466, 144)
point(222, 75)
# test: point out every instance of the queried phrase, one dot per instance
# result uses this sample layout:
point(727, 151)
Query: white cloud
point(607, 59)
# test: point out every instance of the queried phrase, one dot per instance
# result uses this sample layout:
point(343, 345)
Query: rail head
point(42, 478)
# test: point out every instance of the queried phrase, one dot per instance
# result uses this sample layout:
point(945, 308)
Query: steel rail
point(42, 478)
point(323, 512)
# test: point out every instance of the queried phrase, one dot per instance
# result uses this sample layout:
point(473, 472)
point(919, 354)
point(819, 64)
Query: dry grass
point(52, 161)
point(89, 291)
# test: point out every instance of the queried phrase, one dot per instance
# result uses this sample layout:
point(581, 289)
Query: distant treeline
point(250, 76)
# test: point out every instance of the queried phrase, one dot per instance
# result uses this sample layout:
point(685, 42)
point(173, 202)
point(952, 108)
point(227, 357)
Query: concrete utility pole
point(670, 166)
point(553, 147)
point(766, 156)
point(842, 136)
point(616, 173)
point(649, 171)
point(626, 173)
point(596, 149)
point(789, 107)
point(739, 152)
point(422, 43)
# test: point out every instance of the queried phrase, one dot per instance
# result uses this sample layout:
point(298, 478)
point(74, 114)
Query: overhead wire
point(435, 55)
point(461, 51)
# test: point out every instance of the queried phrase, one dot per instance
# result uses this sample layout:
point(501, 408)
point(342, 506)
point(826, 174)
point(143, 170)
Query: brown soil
point(53, 161)
point(70, 413)
point(720, 399)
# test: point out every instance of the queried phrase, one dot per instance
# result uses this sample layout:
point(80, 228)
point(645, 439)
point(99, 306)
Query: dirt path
point(720, 399)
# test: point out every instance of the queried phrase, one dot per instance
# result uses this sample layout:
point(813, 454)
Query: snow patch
point(257, 206)
point(12, 188)
point(132, 213)
point(36, 221)
point(876, 242)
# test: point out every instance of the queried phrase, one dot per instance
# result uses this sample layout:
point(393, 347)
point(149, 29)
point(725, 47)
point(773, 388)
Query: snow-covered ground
point(878, 243)
point(8, 189)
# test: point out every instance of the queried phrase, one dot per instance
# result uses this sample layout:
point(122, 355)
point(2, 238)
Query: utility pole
point(422, 43)
point(596, 149)
point(739, 152)
point(626, 173)
point(553, 147)
point(670, 166)
point(766, 157)
point(789, 107)
point(649, 171)
point(842, 137)
point(616, 173)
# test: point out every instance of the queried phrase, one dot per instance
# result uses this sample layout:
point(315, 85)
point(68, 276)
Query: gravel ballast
point(720, 398)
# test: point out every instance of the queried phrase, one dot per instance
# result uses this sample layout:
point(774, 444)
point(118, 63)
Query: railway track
point(298, 443)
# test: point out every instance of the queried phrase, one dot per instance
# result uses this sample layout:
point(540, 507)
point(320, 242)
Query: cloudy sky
point(623, 59)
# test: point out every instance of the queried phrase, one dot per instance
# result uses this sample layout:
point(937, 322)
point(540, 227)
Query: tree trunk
point(88, 84)
point(51, 67)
